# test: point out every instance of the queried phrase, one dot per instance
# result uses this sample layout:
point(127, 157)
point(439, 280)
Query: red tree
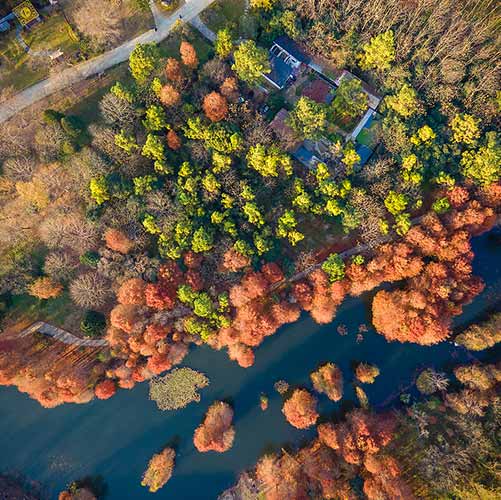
point(216, 432)
point(215, 107)
point(173, 70)
point(173, 140)
point(188, 54)
point(300, 409)
point(116, 240)
point(131, 292)
point(169, 96)
point(105, 389)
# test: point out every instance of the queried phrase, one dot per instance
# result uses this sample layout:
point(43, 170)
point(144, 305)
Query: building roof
point(319, 91)
point(280, 71)
point(306, 157)
point(292, 48)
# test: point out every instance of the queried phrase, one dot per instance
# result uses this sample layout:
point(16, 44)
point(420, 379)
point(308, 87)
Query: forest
point(180, 217)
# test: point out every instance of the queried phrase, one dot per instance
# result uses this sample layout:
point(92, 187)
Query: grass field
point(223, 13)
point(20, 69)
point(26, 309)
point(170, 46)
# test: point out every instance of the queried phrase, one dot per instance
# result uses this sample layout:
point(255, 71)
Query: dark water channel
point(116, 438)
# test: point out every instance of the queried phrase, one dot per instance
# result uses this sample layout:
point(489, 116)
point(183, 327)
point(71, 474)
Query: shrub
point(159, 470)
point(93, 324)
point(366, 374)
point(52, 116)
point(90, 258)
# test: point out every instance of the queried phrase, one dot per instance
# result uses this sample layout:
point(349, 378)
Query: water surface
point(116, 438)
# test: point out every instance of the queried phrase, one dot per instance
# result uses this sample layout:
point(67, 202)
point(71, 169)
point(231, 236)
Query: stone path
point(101, 63)
point(62, 335)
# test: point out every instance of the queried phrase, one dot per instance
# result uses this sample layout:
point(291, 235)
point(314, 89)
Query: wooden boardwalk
point(62, 335)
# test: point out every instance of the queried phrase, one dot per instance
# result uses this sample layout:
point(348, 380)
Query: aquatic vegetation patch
point(177, 389)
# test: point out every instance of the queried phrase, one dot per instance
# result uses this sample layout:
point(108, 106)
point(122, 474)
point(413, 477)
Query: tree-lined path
point(72, 75)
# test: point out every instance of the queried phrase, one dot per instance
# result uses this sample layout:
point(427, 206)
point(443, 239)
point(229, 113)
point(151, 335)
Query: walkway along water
point(117, 437)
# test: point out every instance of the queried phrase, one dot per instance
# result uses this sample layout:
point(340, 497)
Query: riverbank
point(116, 438)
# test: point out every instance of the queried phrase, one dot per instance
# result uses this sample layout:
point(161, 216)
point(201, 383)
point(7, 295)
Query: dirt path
point(72, 75)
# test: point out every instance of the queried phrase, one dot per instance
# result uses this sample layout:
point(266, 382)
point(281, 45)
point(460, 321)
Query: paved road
point(197, 23)
point(62, 335)
point(101, 63)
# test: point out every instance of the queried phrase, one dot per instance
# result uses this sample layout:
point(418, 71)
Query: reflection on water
point(116, 438)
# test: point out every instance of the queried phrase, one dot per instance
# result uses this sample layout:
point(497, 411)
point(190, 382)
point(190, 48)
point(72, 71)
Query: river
point(116, 438)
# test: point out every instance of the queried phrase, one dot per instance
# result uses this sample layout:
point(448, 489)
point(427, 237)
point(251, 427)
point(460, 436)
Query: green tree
point(262, 4)
point(154, 148)
point(286, 21)
point(404, 102)
point(186, 294)
point(441, 205)
point(379, 52)
point(155, 118)
point(287, 228)
point(126, 142)
point(484, 165)
point(334, 267)
point(350, 157)
point(224, 43)
point(122, 92)
point(267, 161)
point(220, 137)
point(308, 118)
point(350, 100)
point(203, 240)
point(73, 126)
point(144, 184)
point(93, 324)
point(99, 190)
point(465, 129)
point(251, 62)
point(396, 202)
point(210, 183)
point(425, 134)
point(402, 223)
point(150, 224)
point(412, 170)
point(253, 214)
point(143, 61)
point(202, 305)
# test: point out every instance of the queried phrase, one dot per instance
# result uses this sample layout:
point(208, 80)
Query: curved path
point(101, 63)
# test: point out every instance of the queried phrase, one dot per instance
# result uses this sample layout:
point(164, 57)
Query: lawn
point(223, 13)
point(86, 107)
point(368, 135)
point(170, 46)
point(20, 70)
point(26, 309)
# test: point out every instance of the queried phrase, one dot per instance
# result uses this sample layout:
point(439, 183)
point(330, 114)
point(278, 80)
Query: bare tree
point(90, 290)
point(60, 265)
point(19, 168)
point(117, 112)
point(69, 230)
